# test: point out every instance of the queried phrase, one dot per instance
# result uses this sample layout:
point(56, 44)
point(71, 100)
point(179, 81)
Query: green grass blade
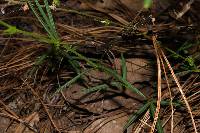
point(125, 83)
point(176, 104)
point(184, 47)
point(10, 29)
point(167, 103)
point(13, 30)
point(158, 124)
point(73, 62)
point(96, 88)
point(5, 24)
point(124, 68)
point(50, 18)
point(116, 84)
point(73, 80)
point(46, 19)
point(136, 115)
point(40, 60)
point(42, 12)
point(82, 57)
point(40, 19)
point(75, 65)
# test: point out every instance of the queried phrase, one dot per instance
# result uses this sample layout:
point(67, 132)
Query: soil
point(29, 98)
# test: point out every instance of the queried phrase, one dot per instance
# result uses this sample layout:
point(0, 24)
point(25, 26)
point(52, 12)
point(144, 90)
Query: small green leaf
point(147, 4)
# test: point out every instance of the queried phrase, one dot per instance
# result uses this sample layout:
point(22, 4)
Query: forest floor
point(99, 66)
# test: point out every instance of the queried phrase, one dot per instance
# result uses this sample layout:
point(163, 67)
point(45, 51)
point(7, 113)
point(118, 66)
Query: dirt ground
point(41, 92)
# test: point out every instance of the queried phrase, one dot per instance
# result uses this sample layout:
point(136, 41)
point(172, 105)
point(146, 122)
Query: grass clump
point(62, 49)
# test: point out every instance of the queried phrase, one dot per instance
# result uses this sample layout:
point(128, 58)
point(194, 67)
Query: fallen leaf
point(31, 120)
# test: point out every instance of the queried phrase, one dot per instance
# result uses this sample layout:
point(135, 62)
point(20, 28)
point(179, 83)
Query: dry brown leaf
point(31, 120)
point(138, 69)
point(107, 125)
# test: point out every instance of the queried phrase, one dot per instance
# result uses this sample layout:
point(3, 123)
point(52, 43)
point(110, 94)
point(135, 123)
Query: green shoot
point(13, 30)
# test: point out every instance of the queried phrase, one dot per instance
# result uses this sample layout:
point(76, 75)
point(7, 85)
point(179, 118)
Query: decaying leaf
point(31, 120)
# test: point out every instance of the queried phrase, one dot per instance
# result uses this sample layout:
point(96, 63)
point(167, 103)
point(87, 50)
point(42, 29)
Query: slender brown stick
point(181, 91)
point(156, 114)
